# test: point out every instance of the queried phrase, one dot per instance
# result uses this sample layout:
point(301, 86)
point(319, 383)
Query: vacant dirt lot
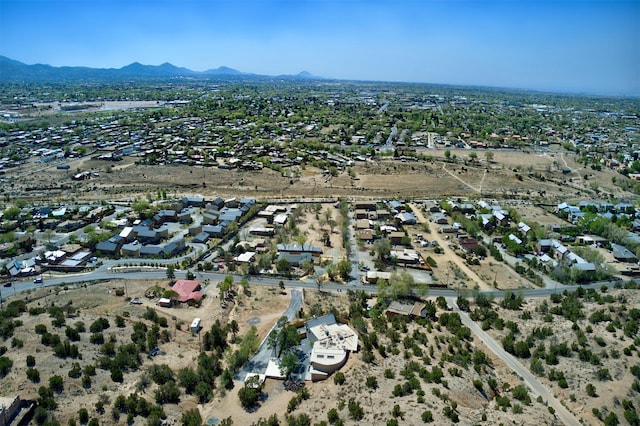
point(511, 174)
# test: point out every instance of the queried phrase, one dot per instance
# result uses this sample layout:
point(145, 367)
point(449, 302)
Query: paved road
point(140, 274)
point(258, 364)
point(510, 361)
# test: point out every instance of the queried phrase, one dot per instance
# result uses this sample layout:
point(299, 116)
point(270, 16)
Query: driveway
point(258, 363)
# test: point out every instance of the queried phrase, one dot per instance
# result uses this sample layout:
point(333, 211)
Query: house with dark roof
point(165, 216)
point(469, 245)
point(130, 250)
point(201, 238)
point(230, 215)
point(185, 217)
point(365, 205)
point(196, 201)
point(544, 245)
point(210, 217)
point(151, 251)
point(148, 236)
point(111, 247)
point(173, 247)
point(214, 230)
point(623, 254)
point(218, 203)
point(231, 202)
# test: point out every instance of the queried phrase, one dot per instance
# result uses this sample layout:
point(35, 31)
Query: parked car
point(8, 284)
point(136, 301)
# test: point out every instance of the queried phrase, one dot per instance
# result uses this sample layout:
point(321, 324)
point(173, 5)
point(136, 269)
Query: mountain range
point(15, 71)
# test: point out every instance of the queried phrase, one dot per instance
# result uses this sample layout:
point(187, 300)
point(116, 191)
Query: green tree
point(83, 416)
point(5, 366)
point(40, 415)
point(289, 364)
point(344, 268)
point(250, 393)
point(171, 272)
point(372, 382)
point(283, 266)
point(191, 418)
point(56, 383)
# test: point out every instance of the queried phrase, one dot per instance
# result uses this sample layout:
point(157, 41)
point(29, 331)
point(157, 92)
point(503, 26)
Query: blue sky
point(590, 46)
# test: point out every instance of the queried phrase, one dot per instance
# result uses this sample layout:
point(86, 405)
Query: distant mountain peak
point(12, 70)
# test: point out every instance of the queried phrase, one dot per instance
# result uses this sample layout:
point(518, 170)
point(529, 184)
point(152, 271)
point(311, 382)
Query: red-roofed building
point(188, 291)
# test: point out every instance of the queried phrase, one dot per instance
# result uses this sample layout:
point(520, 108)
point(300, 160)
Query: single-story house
point(406, 256)
point(622, 253)
point(412, 310)
point(188, 290)
point(406, 218)
point(130, 250)
point(246, 257)
point(372, 277)
point(469, 244)
point(195, 201)
point(396, 237)
point(201, 238)
point(440, 219)
point(365, 234)
point(264, 231)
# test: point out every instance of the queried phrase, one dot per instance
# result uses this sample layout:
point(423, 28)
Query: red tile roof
point(188, 290)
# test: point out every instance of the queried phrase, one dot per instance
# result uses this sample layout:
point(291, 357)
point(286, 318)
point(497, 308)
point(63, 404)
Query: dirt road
point(449, 256)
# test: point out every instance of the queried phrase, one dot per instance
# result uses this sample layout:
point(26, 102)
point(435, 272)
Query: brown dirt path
point(450, 257)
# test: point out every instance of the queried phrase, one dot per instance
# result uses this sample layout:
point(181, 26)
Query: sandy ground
point(609, 393)
point(261, 309)
point(507, 176)
point(456, 273)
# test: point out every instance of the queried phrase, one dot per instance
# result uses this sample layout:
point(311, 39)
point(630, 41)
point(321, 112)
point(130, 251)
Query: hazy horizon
point(560, 46)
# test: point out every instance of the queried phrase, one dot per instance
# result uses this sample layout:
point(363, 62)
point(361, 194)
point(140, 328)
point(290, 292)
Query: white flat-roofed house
point(332, 343)
point(280, 219)
point(246, 257)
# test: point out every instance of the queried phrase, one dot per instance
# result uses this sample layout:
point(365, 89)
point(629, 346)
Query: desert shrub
point(355, 410)
point(33, 375)
point(56, 383)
